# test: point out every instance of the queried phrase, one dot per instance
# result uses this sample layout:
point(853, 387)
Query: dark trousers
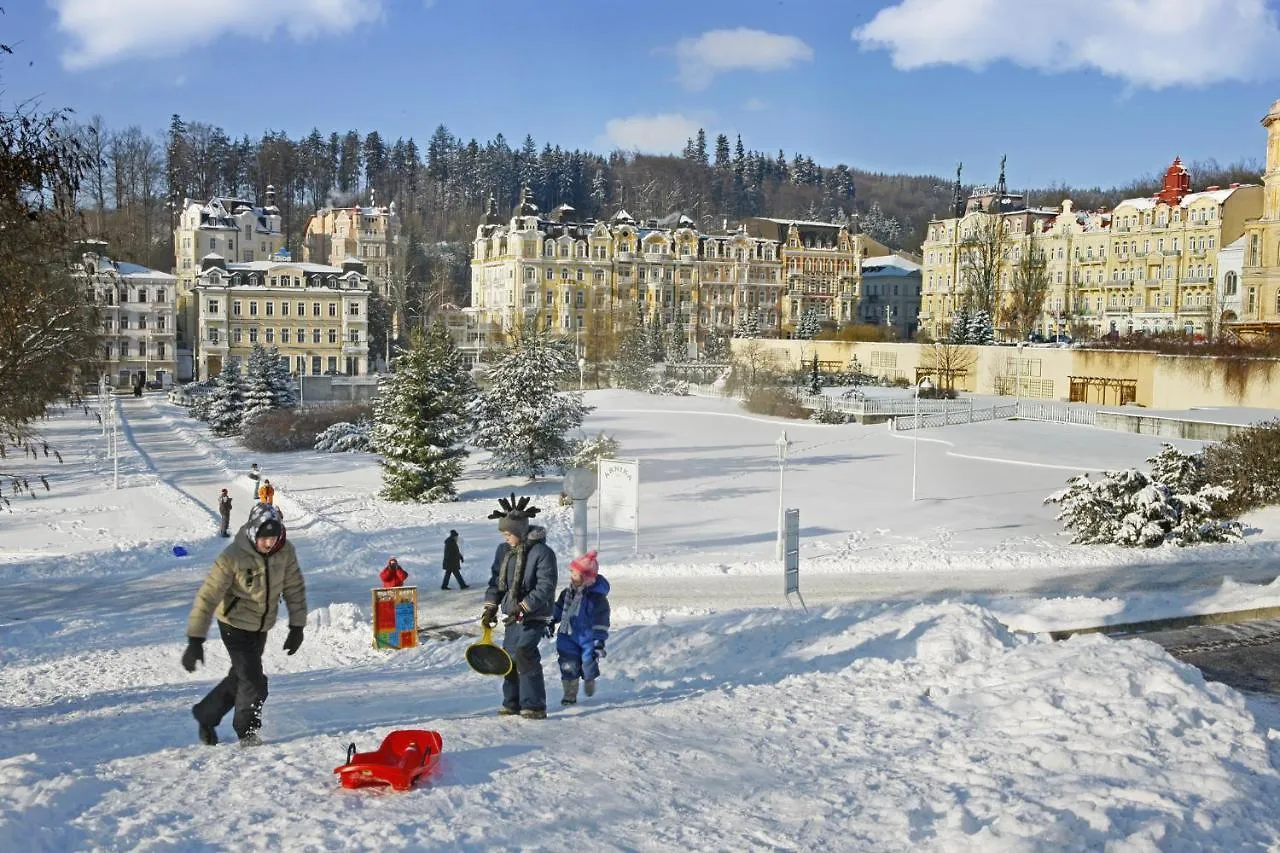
point(244, 688)
point(453, 573)
point(226, 524)
point(523, 688)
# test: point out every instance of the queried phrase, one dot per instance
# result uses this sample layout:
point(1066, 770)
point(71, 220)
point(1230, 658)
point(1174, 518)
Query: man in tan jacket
point(243, 590)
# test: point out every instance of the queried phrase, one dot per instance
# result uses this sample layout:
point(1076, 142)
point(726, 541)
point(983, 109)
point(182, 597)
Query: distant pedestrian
point(453, 561)
point(224, 508)
point(243, 590)
point(254, 474)
point(580, 624)
point(393, 575)
point(266, 493)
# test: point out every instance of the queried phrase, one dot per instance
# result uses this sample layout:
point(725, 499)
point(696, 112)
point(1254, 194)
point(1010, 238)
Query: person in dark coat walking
point(224, 508)
point(522, 585)
point(453, 561)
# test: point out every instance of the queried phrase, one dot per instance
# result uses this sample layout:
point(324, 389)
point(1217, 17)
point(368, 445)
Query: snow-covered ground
point(912, 707)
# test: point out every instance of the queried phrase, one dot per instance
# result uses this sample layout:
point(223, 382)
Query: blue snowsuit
point(579, 637)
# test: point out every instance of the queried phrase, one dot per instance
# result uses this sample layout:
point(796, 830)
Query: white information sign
point(619, 495)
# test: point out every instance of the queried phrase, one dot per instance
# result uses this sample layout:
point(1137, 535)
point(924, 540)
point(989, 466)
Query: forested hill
point(138, 181)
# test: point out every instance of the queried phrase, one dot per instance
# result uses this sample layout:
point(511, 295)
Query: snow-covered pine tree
point(258, 397)
point(279, 379)
point(981, 330)
point(750, 325)
point(656, 338)
point(959, 331)
point(421, 421)
point(815, 377)
point(226, 405)
point(522, 418)
point(1177, 470)
point(808, 327)
point(716, 346)
point(632, 363)
point(677, 344)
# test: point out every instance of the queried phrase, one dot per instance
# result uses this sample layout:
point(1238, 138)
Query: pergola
point(1125, 390)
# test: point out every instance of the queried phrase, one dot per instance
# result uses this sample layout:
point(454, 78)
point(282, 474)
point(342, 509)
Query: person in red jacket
point(393, 575)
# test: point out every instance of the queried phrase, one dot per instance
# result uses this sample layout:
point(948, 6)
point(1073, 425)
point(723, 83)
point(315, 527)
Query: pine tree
point(716, 346)
point(655, 338)
point(258, 396)
point(815, 377)
point(980, 330)
point(420, 420)
point(677, 344)
point(809, 326)
point(522, 419)
point(280, 381)
point(753, 325)
point(959, 331)
point(632, 363)
point(226, 406)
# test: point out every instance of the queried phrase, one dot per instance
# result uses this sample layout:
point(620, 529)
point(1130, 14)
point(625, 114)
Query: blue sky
point(1087, 92)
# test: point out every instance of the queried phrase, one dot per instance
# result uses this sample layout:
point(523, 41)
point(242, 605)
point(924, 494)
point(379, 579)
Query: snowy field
point(913, 707)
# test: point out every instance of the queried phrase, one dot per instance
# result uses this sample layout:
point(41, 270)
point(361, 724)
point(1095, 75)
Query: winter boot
point(504, 711)
point(589, 687)
point(570, 691)
point(533, 714)
point(208, 734)
point(251, 739)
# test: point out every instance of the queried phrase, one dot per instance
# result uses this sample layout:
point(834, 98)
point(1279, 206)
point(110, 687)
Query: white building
point(891, 293)
point(1230, 268)
point(139, 310)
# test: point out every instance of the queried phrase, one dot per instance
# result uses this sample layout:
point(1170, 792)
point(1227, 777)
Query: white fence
point(1062, 413)
point(966, 413)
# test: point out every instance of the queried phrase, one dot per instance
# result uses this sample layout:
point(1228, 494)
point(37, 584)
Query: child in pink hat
point(580, 623)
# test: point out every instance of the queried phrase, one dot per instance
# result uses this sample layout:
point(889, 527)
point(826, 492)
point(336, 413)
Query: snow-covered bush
point(345, 438)
point(668, 388)
point(1135, 509)
point(586, 452)
point(1248, 463)
point(828, 416)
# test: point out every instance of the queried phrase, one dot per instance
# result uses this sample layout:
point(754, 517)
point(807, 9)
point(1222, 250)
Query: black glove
point(489, 617)
point(599, 649)
point(294, 640)
point(551, 629)
point(511, 619)
point(194, 653)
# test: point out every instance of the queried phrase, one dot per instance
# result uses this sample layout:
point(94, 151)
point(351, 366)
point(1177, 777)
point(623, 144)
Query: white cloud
point(656, 134)
point(715, 51)
point(105, 31)
point(755, 105)
point(1147, 43)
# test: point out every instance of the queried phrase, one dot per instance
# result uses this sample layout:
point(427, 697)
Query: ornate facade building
point(1260, 277)
point(139, 311)
point(1148, 266)
point(317, 315)
point(570, 277)
point(368, 234)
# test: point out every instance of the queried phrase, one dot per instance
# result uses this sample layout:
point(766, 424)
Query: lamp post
point(923, 385)
point(582, 375)
point(781, 444)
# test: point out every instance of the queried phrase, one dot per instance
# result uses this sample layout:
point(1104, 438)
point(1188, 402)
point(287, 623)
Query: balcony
point(1140, 253)
point(625, 257)
point(655, 257)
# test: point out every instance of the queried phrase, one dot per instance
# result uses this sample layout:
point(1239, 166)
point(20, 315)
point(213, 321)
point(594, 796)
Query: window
point(213, 336)
point(212, 306)
point(284, 309)
point(333, 364)
point(284, 336)
point(353, 309)
point(353, 336)
point(253, 334)
point(302, 309)
point(271, 336)
point(235, 308)
point(159, 294)
point(315, 336)
point(315, 309)
point(1230, 283)
point(580, 299)
point(124, 322)
point(106, 351)
point(302, 336)
point(235, 336)
point(333, 336)
point(160, 350)
point(253, 308)
point(566, 297)
point(271, 309)
point(315, 365)
point(333, 309)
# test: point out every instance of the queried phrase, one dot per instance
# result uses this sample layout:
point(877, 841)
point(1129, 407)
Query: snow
point(916, 705)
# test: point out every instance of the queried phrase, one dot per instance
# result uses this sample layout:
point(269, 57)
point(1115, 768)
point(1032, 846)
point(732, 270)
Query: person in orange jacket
point(266, 493)
point(393, 575)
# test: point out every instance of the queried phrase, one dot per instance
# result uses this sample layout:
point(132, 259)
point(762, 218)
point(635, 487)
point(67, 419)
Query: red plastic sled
point(405, 757)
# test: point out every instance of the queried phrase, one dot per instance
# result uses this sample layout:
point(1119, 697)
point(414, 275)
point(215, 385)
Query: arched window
point(1229, 283)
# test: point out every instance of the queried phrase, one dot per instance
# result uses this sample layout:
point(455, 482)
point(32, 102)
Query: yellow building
point(368, 234)
point(317, 315)
point(1260, 277)
point(1148, 266)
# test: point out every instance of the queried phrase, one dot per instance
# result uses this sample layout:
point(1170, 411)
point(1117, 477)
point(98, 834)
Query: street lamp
point(781, 444)
point(923, 385)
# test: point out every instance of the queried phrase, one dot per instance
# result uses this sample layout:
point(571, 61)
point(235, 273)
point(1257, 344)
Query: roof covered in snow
point(129, 270)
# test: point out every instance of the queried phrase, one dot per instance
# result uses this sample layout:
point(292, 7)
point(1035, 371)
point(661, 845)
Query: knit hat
point(270, 527)
point(586, 566)
point(264, 520)
point(224, 491)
